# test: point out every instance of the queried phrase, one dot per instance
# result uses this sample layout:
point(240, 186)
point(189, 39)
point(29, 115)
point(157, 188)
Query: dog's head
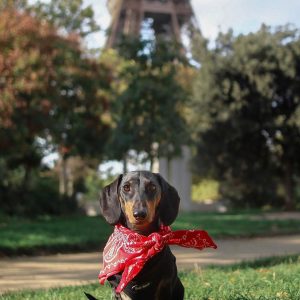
point(138, 199)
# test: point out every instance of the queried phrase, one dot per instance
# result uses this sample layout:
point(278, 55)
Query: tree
point(69, 15)
point(149, 110)
point(50, 93)
point(17, 4)
point(246, 110)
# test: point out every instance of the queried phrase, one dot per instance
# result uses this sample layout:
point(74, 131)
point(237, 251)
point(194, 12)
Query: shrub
point(41, 198)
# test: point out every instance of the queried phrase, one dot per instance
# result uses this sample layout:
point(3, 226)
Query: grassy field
point(80, 233)
point(52, 234)
point(274, 278)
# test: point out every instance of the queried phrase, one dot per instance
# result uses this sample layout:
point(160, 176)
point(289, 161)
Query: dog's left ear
point(109, 202)
point(169, 202)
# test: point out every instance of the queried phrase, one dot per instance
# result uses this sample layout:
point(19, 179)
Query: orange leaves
point(30, 52)
point(49, 86)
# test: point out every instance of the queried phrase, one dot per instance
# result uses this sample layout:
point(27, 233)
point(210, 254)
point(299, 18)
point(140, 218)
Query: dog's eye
point(151, 188)
point(126, 187)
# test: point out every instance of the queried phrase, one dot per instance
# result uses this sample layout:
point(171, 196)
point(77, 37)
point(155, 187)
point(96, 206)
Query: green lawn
point(275, 278)
point(52, 234)
point(240, 224)
point(80, 233)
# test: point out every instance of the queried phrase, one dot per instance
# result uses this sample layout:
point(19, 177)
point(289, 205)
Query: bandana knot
point(158, 242)
point(127, 251)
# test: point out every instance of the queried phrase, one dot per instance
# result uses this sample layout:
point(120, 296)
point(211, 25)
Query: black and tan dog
point(141, 201)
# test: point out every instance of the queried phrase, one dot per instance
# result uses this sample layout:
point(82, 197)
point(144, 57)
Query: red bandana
point(128, 251)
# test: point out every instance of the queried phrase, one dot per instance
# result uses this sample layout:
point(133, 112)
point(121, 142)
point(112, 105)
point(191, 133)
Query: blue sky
point(243, 16)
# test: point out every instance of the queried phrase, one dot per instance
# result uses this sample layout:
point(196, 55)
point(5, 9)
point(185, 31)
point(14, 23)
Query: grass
point(240, 224)
point(81, 233)
point(273, 278)
point(52, 235)
point(247, 281)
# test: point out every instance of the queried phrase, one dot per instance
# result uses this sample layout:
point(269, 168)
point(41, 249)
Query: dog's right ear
point(110, 207)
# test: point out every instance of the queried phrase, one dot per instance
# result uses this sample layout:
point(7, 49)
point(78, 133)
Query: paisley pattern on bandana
point(127, 251)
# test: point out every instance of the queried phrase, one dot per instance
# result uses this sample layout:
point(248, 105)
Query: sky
point(213, 16)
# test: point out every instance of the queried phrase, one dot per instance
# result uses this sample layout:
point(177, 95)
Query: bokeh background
point(75, 113)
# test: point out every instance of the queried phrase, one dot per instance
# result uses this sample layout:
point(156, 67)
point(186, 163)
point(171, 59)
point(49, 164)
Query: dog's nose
point(139, 214)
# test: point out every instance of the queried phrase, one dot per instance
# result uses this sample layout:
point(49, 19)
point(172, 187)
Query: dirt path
point(74, 269)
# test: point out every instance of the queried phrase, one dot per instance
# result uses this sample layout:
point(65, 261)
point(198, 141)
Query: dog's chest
point(159, 271)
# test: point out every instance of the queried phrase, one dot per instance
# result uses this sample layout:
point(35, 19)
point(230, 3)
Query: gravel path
point(74, 269)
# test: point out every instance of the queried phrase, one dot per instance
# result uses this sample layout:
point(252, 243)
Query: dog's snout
point(140, 214)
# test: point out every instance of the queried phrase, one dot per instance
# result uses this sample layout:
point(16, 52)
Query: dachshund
point(141, 201)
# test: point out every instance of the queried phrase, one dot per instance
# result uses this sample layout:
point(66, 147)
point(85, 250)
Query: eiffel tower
point(167, 18)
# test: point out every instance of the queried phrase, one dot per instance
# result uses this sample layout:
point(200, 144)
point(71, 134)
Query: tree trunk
point(289, 187)
point(63, 176)
point(26, 178)
point(70, 182)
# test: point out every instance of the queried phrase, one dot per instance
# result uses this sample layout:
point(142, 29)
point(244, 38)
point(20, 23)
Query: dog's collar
point(127, 251)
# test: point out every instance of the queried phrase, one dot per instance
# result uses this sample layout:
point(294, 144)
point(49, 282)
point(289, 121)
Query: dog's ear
point(169, 202)
point(109, 202)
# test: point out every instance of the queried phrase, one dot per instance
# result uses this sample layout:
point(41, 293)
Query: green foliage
point(277, 280)
point(69, 15)
point(16, 4)
point(38, 198)
point(52, 98)
point(206, 189)
point(149, 109)
point(246, 115)
point(94, 183)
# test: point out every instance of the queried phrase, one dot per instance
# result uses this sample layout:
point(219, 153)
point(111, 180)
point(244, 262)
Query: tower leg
point(177, 172)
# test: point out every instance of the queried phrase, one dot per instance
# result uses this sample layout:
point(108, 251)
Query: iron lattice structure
point(168, 18)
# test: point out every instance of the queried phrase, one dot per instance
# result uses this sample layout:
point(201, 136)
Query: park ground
point(36, 272)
